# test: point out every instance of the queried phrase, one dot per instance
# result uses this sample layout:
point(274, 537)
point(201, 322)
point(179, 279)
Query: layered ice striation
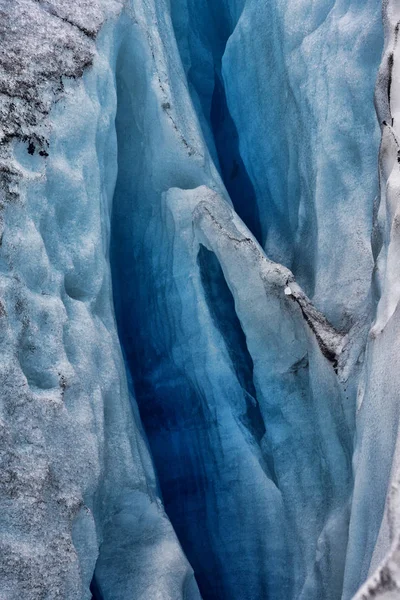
point(199, 288)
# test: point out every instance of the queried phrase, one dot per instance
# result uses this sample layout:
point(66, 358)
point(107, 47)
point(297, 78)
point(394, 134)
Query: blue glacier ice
point(199, 295)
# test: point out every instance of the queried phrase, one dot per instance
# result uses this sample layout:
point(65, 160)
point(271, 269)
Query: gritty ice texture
point(199, 288)
point(76, 482)
point(377, 453)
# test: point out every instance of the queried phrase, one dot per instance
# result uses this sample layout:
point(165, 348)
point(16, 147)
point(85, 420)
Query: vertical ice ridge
point(374, 541)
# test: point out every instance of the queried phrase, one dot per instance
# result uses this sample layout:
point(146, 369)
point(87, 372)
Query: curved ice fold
point(288, 341)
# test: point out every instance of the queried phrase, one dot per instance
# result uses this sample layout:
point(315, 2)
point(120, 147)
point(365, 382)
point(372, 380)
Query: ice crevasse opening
point(199, 270)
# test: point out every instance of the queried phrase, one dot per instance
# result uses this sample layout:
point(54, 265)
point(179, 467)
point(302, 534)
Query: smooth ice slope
point(209, 168)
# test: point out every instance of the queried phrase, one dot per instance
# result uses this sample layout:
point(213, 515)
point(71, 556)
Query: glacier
point(199, 295)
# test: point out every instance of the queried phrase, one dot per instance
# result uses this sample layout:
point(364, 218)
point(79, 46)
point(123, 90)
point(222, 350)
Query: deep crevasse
point(246, 392)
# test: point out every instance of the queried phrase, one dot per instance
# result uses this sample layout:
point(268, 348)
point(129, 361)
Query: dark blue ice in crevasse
point(182, 428)
point(96, 595)
point(187, 403)
point(177, 423)
point(222, 308)
point(198, 441)
point(213, 26)
point(291, 94)
point(233, 171)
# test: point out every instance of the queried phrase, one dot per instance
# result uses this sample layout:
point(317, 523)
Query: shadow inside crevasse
point(96, 595)
point(233, 170)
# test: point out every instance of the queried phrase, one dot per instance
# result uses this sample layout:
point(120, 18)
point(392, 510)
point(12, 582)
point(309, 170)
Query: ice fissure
point(199, 295)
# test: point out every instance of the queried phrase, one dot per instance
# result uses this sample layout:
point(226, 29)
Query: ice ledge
point(217, 225)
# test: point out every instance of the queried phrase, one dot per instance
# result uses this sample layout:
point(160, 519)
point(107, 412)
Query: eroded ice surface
point(191, 405)
point(75, 469)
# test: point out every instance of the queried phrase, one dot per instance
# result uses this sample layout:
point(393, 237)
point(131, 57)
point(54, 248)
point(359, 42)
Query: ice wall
point(374, 530)
point(246, 392)
point(207, 170)
point(290, 72)
point(77, 486)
